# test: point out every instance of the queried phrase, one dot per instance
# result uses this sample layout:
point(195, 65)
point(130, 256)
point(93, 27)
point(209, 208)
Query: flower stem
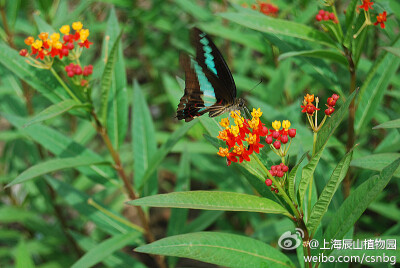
point(64, 85)
point(281, 191)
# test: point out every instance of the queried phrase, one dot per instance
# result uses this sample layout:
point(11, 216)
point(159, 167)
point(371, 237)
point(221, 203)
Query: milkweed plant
point(85, 156)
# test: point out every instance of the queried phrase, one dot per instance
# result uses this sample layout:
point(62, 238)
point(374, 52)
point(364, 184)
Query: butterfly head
point(240, 103)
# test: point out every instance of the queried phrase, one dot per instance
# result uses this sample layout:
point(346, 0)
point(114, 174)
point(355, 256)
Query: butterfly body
point(209, 85)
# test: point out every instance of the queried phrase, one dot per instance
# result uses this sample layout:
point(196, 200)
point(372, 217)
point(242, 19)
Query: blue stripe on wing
point(209, 59)
point(205, 85)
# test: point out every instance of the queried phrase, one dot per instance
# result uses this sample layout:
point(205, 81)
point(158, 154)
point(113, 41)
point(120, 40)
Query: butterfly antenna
point(256, 85)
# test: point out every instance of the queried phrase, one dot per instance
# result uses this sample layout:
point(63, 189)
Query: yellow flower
point(29, 40)
point(256, 113)
point(57, 45)
point(84, 33)
point(235, 113)
point(77, 25)
point(286, 124)
point(55, 37)
point(253, 123)
point(37, 44)
point(309, 98)
point(43, 36)
point(224, 122)
point(65, 29)
point(252, 138)
point(223, 135)
point(235, 130)
point(223, 151)
point(239, 121)
point(238, 149)
point(276, 125)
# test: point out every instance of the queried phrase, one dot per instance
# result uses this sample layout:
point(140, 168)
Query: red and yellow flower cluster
point(281, 136)
point(326, 15)
point(380, 19)
point(330, 103)
point(308, 106)
point(265, 8)
point(244, 130)
point(51, 45)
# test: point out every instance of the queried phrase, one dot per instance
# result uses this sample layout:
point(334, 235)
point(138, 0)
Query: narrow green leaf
point(394, 50)
point(307, 173)
point(332, 123)
point(164, 150)
point(322, 54)
point(374, 87)
point(55, 165)
point(212, 201)
point(42, 25)
point(117, 115)
point(107, 79)
point(228, 250)
point(358, 202)
point(320, 208)
point(63, 146)
point(23, 256)
point(53, 111)
point(292, 177)
point(350, 14)
point(39, 79)
point(376, 162)
point(143, 141)
point(389, 124)
point(105, 249)
point(198, 12)
point(202, 222)
point(267, 24)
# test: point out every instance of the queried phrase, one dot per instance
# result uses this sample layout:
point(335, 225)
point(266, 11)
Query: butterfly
point(209, 85)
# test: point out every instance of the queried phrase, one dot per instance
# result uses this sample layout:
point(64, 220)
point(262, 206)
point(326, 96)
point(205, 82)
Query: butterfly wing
point(209, 57)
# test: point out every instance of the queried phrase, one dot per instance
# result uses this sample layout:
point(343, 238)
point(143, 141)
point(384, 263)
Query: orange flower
point(381, 19)
point(309, 98)
point(366, 4)
point(29, 40)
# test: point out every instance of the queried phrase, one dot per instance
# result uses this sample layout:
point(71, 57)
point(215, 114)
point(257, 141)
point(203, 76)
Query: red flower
point(309, 108)
point(381, 19)
point(86, 44)
point(367, 4)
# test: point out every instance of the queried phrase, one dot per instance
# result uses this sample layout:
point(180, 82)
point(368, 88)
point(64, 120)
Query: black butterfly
point(209, 85)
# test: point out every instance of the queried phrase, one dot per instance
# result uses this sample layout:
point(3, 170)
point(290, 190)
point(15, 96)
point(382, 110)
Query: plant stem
point(350, 127)
point(281, 191)
point(64, 85)
point(128, 186)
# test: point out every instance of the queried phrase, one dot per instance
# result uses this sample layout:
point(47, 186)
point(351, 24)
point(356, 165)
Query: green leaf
point(143, 141)
point(63, 146)
point(105, 249)
point(55, 165)
point(42, 25)
point(164, 150)
point(350, 14)
point(374, 88)
point(358, 202)
point(394, 50)
point(23, 256)
point(321, 207)
point(107, 80)
point(332, 123)
point(307, 173)
point(389, 124)
point(376, 162)
point(267, 24)
point(54, 110)
point(322, 54)
point(228, 250)
point(212, 201)
point(292, 177)
point(39, 79)
point(117, 115)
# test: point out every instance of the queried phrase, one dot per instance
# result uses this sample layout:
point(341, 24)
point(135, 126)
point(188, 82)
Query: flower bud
point(277, 145)
point(269, 140)
point(71, 74)
point(285, 168)
point(331, 101)
point(292, 133)
point(280, 173)
point(70, 46)
point(268, 182)
point(335, 97)
point(23, 52)
point(284, 139)
point(275, 134)
point(329, 111)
